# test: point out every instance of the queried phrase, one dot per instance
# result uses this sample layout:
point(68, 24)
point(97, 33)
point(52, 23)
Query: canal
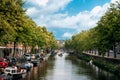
point(60, 68)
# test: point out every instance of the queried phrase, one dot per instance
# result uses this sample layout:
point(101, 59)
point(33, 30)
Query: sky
point(65, 18)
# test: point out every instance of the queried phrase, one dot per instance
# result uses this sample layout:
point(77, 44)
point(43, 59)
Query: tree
point(109, 28)
point(17, 27)
point(103, 37)
point(7, 33)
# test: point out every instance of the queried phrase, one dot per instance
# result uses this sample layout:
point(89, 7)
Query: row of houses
point(8, 50)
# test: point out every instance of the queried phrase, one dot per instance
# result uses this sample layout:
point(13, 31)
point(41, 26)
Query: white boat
point(35, 62)
point(60, 53)
point(14, 71)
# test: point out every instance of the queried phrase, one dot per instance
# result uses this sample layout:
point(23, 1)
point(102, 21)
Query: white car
point(27, 56)
point(32, 56)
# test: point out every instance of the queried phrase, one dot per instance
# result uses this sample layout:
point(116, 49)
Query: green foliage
point(114, 68)
point(84, 57)
point(103, 37)
point(17, 27)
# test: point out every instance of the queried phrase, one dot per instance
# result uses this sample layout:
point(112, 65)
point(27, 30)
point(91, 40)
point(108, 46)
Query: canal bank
point(109, 64)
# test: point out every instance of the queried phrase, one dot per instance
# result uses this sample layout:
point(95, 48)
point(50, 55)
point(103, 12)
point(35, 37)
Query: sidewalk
point(111, 55)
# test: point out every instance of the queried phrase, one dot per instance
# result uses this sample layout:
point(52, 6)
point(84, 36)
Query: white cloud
point(45, 14)
point(48, 6)
point(81, 21)
point(114, 1)
point(96, 10)
point(32, 11)
point(42, 2)
point(39, 3)
point(67, 35)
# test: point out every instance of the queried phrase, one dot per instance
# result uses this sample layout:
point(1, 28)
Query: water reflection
point(92, 72)
point(34, 73)
point(58, 68)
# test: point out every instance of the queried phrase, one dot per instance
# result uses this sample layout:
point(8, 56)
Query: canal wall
point(109, 64)
point(111, 60)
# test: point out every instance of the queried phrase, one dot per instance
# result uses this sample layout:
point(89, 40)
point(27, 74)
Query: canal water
point(60, 68)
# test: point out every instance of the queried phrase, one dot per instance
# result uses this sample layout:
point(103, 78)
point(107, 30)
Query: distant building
point(61, 43)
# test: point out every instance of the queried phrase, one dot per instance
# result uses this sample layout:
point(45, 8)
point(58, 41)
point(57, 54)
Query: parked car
point(11, 60)
point(28, 57)
point(37, 56)
point(3, 63)
point(33, 56)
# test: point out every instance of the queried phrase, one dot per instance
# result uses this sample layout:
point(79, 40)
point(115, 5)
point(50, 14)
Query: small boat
point(35, 62)
point(5, 77)
point(15, 72)
point(27, 65)
point(60, 54)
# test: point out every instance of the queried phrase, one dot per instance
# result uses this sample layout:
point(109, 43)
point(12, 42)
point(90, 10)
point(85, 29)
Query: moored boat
point(60, 54)
point(5, 77)
point(35, 62)
point(14, 72)
point(27, 65)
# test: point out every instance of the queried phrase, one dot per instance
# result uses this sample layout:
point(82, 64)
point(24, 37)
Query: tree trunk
point(108, 53)
point(14, 49)
point(114, 51)
point(25, 49)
